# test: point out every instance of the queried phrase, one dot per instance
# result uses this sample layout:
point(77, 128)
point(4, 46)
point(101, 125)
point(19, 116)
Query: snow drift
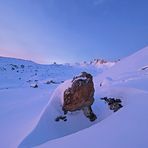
point(21, 106)
point(122, 72)
point(47, 129)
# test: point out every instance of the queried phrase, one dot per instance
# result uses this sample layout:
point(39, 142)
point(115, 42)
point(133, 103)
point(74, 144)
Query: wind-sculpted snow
point(125, 129)
point(23, 124)
point(21, 73)
point(120, 81)
point(130, 68)
point(47, 129)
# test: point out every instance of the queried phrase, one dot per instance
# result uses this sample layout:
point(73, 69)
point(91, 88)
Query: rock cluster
point(114, 104)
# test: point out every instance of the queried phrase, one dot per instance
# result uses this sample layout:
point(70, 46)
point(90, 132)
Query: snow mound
point(47, 129)
point(125, 129)
point(110, 83)
point(128, 127)
point(22, 73)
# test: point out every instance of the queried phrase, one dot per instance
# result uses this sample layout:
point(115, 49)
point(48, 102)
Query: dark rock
point(114, 104)
point(22, 66)
point(89, 113)
point(34, 86)
point(144, 68)
point(65, 120)
point(60, 118)
point(57, 119)
point(51, 82)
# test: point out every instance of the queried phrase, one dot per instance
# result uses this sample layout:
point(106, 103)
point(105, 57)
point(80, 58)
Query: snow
point(128, 66)
point(27, 114)
point(19, 111)
point(46, 123)
point(125, 129)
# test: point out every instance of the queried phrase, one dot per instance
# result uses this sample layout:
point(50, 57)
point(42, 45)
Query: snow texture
point(27, 120)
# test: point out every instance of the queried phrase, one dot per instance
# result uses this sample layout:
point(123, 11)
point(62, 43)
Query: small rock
point(34, 86)
point(57, 119)
point(50, 82)
point(114, 104)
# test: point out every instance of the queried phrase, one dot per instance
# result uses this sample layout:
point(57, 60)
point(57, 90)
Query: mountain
point(28, 114)
point(99, 63)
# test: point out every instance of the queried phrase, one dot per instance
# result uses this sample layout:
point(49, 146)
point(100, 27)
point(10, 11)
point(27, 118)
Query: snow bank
point(125, 129)
point(47, 129)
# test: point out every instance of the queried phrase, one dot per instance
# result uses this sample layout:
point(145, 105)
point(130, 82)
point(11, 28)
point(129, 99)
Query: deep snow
point(127, 127)
point(27, 120)
point(21, 105)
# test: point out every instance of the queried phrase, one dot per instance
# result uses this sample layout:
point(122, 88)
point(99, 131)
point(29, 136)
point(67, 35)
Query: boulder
point(80, 96)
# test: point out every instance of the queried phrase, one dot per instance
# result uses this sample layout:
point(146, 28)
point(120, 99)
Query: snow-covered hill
point(32, 119)
point(17, 72)
point(128, 127)
point(20, 104)
point(132, 70)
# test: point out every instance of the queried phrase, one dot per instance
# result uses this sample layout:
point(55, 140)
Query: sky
point(68, 31)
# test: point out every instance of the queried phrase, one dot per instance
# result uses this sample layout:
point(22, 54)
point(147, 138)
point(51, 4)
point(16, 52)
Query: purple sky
point(72, 30)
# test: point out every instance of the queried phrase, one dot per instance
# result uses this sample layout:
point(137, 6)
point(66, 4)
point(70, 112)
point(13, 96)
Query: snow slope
point(126, 128)
point(17, 72)
point(130, 68)
point(47, 129)
point(21, 105)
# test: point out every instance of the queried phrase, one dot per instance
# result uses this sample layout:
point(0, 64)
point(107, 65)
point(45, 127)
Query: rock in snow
point(80, 96)
point(24, 124)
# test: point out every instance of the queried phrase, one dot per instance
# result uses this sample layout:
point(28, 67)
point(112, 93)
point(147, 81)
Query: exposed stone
point(51, 82)
point(80, 96)
point(34, 86)
point(144, 68)
point(12, 68)
point(57, 119)
point(22, 66)
point(114, 104)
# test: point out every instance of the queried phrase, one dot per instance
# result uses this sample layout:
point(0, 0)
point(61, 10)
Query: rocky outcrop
point(80, 96)
point(114, 104)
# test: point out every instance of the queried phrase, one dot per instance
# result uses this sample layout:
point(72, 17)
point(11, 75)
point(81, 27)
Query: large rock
point(80, 95)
